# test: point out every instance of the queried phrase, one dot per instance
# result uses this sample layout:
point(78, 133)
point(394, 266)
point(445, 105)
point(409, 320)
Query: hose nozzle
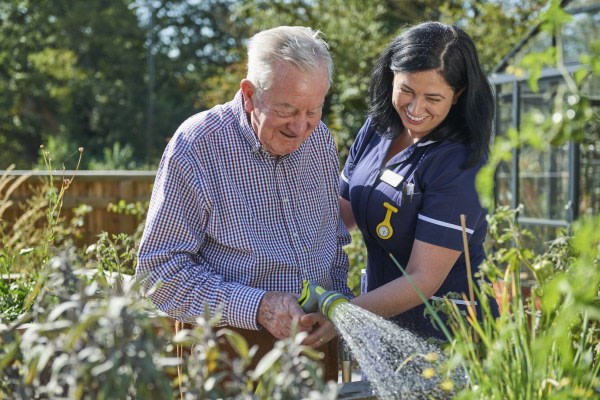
point(315, 298)
point(329, 301)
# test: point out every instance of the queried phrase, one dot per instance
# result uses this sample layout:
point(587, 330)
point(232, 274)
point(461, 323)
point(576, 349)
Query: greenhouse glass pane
point(541, 236)
point(537, 44)
point(589, 203)
point(577, 35)
point(544, 182)
point(574, 4)
point(543, 175)
point(504, 106)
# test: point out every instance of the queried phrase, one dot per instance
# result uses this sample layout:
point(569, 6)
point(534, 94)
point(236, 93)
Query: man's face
point(285, 114)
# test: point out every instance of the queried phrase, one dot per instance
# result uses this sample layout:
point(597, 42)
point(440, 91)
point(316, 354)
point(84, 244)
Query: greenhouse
point(560, 183)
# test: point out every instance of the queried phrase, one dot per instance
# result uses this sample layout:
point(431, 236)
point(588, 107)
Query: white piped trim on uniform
point(456, 301)
point(444, 224)
point(344, 178)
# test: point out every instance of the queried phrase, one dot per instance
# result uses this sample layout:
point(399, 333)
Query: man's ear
point(247, 93)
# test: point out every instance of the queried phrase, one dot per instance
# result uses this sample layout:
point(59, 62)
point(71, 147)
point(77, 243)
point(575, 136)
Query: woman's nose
point(416, 106)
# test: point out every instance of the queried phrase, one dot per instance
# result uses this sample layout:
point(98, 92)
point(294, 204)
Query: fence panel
point(96, 189)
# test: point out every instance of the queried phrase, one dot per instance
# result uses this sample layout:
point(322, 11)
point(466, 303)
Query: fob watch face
point(383, 232)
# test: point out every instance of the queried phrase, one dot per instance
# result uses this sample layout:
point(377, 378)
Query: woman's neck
point(403, 141)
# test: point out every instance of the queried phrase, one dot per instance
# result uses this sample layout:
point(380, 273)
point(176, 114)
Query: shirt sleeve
point(174, 274)
point(358, 148)
point(341, 264)
point(449, 192)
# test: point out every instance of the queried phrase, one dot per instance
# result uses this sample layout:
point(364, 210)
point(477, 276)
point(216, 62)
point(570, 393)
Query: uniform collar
point(426, 143)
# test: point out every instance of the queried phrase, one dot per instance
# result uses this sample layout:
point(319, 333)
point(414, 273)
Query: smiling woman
point(410, 177)
point(422, 100)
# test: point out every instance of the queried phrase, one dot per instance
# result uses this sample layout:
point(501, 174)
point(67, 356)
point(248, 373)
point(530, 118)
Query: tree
point(65, 76)
point(123, 74)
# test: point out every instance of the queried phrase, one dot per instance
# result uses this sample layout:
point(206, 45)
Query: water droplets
point(397, 363)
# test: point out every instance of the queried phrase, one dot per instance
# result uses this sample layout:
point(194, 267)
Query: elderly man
point(245, 203)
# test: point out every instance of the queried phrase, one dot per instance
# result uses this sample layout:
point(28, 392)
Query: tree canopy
point(118, 76)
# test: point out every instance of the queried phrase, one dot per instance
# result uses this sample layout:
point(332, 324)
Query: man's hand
point(277, 312)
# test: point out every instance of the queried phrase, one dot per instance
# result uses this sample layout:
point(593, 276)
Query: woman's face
point(423, 100)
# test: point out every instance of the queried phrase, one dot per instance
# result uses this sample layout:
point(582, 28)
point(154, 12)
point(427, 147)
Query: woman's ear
point(457, 95)
point(247, 93)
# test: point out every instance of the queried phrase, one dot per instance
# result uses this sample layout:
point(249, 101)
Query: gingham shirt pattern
point(228, 222)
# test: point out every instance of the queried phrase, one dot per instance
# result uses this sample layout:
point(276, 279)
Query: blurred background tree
point(118, 76)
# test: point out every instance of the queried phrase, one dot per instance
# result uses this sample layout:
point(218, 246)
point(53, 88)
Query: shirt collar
point(245, 127)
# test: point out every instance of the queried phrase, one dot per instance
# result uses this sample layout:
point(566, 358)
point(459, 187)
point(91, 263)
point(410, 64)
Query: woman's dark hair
point(451, 53)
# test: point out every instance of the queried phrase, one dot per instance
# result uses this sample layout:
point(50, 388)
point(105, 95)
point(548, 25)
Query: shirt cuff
point(243, 307)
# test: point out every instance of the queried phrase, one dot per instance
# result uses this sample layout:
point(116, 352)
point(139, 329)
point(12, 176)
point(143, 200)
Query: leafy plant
point(115, 253)
point(358, 260)
point(543, 346)
point(80, 328)
point(87, 339)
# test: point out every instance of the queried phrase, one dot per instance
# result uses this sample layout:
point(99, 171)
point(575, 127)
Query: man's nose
point(299, 125)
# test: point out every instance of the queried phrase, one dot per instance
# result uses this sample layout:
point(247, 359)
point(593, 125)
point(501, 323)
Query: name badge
point(391, 178)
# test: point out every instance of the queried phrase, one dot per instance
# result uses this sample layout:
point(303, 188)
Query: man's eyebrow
point(290, 106)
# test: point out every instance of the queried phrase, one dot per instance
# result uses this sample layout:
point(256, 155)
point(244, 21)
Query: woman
point(411, 172)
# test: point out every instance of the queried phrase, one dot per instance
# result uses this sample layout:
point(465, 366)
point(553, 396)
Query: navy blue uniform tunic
point(434, 190)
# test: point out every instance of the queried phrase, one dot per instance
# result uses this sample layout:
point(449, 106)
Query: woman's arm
point(427, 267)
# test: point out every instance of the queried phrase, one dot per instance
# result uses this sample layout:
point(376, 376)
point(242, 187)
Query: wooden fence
point(96, 189)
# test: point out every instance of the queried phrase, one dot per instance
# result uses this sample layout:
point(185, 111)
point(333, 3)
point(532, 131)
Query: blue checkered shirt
point(228, 222)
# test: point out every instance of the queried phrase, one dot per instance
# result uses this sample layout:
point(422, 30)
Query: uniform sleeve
point(448, 192)
point(174, 274)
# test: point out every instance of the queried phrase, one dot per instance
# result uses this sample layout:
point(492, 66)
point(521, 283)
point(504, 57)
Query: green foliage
point(138, 209)
point(486, 21)
point(116, 157)
point(13, 293)
point(289, 371)
point(571, 116)
point(88, 339)
point(115, 253)
point(79, 327)
point(129, 72)
point(358, 260)
point(95, 336)
point(544, 344)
